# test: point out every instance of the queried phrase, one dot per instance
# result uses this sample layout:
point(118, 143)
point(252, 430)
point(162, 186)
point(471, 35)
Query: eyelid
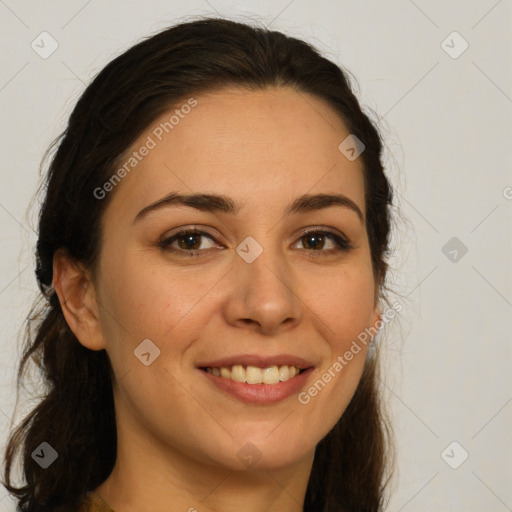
point(340, 239)
point(325, 230)
point(194, 228)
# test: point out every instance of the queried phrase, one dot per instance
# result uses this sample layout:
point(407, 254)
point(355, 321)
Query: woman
point(211, 248)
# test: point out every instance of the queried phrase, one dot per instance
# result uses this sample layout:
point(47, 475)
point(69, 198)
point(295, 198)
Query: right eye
point(188, 240)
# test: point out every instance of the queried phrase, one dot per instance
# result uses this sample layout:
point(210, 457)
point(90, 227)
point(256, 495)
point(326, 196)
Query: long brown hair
point(76, 415)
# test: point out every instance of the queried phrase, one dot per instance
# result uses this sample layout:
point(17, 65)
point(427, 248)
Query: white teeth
point(238, 373)
point(271, 375)
point(254, 375)
point(225, 372)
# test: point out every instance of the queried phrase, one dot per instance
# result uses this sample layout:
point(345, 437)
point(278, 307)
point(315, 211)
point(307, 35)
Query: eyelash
point(343, 245)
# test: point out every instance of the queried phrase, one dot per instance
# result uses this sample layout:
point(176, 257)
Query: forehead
point(266, 145)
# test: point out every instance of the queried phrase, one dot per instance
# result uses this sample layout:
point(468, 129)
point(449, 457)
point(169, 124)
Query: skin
point(178, 435)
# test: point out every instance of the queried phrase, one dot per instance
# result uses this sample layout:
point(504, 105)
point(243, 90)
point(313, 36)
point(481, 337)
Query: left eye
point(189, 242)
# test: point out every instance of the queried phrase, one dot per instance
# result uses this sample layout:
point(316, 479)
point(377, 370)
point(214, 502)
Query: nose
point(262, 294)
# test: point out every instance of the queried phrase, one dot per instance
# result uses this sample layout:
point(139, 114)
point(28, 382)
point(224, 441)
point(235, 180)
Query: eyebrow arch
point(224, 204)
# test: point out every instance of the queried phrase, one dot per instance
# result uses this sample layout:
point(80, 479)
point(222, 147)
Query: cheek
point(345, 303)
point(159, 302)
point(147, 301)
point(175, 307)
point(345, 311)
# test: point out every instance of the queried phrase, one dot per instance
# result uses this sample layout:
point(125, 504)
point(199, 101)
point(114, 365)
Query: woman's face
point(251, 289)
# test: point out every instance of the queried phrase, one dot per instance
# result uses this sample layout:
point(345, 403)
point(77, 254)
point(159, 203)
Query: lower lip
point(260, 393)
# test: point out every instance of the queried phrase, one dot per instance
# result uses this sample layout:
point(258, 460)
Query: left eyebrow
point(224, 204)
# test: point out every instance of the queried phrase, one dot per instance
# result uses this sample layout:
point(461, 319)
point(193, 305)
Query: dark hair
point(76, 415)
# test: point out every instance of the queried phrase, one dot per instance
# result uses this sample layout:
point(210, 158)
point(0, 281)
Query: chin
point(259, 452)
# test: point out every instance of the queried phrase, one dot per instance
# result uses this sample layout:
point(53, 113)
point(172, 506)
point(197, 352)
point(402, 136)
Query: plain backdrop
point(436, 77)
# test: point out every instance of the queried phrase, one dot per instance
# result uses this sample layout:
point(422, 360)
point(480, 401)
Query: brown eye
point(186, 241)
point(315, 240)
point(190, 241)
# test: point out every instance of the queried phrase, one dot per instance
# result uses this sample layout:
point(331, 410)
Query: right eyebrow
point(224, 204)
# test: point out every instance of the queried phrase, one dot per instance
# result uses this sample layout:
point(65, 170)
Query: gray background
point(446, 119)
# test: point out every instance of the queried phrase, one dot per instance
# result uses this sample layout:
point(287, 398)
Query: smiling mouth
point(255, 375)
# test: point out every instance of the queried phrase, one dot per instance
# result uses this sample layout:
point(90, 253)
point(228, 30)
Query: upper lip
point(258, 360)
